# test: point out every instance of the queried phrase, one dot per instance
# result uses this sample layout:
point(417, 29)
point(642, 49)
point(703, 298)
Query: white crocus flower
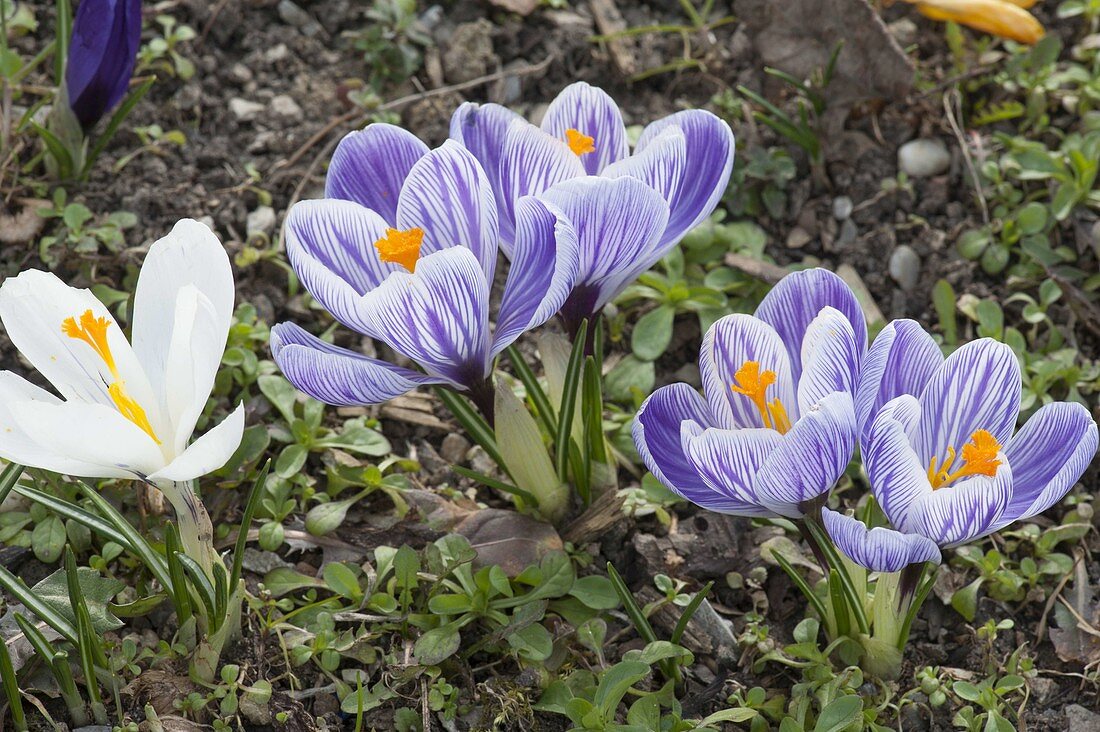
point(124, 411)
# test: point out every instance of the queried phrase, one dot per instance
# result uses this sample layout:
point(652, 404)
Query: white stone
point(260, 221)
point(285, 107)
point(245, 110)
point(905, 267)
point(924, 157)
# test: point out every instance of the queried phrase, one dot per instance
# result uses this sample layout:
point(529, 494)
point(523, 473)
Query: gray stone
point(260, 221)
point(924, 157)
point(276, 53)
point(848, 234)
point(293, 15)
point(905, 267)
point(842, 208)
point(454, 448)
point(904, 30)
point(284, 107)
point(798, 238)
point(240, 73)
point(245, 110)
point(1080, 719)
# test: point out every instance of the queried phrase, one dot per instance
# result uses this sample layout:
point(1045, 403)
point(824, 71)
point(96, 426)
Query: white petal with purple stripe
point(878, 549)
point(590, 111)
point(369, 167)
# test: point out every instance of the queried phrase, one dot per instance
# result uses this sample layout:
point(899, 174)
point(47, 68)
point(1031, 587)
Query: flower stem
point(195, 529)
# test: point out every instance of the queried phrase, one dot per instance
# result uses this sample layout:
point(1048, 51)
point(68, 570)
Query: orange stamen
point(979, 457)
point(401, 247)
point(754, 383)
point(580, 143)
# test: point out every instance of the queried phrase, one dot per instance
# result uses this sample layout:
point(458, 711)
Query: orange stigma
point(93, 331)
point(754, 383)
point(401, 247)
point(580, 143)
point(979, 457)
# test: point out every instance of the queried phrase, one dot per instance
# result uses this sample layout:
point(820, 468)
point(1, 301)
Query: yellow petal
point(997, 17)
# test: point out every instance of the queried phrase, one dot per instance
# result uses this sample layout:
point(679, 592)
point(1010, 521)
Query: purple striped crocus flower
point(685, 158)
point(942, 457)
point(404, 250)
point(105, 41)
point(878, 549)
point(777, 425)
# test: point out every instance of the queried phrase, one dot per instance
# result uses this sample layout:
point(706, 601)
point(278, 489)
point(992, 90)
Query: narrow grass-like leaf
point(496, 484)
point(57, 150)
point(918, 599)
point(91, 652)
point(64, 31)
point(569, 402)
point(117, 118)
point(8, 479)
point(630, 605)
point(689, 611)
point(70, 511)
point(840, 606)
point(855, 602)
point(221, 597)
point(181, 598)
point(534, 390)
point(801, 584)
point(201, 583)
point(246, 523)
point(18, 589)
point(11, 689)
point(58, 663)
point(133, 539)
point(592, 410)
point(474, 424)
point(581, 468)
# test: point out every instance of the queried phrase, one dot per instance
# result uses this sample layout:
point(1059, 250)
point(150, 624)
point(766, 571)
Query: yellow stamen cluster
point(754, 383)
point(580, 143)
point(93, 331)
point(401, 247)
point(979, 457)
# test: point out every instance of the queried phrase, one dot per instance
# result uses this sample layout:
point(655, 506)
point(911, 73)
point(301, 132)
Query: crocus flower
point(878, 549)
point(1004, 18)
point(124, 411)
point(942, 458)
point(405, 251)
point(686, 158)
point(777, 426)
point(105, 41)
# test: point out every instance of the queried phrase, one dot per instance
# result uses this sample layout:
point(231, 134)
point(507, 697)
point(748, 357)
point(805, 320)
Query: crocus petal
point(728, 461)
point(448, 197)
point(898, 477)
point(810, 458)
point(208, 453)
point(33, 306)
point(978, 387)
point(438, 317)
point(106, 36)
point(963, 511)
point(799, 297)
point(727, 345)
point(618, 223)
point(657, 430)
point(710, 148)
point(878, 549)
point(590, 111)
point(901, 360)
point(92, 434)
point(542, 273)
point(330, 244)
point(530, 162)
point(1048, 455)
point(661, 166)
point(481, 128)
point(370, 166)
point(830, 359)
point(336, 375)
point(192, 260)
point(18, 447)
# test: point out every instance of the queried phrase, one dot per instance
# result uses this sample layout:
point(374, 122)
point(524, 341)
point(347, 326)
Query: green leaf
point(965, 601)
point(342, 580)
point(631, 375)
point(596, 592)
point(555, 578)
point(437, 644)
point(246, 522)
point(282, 580)
point(653, 333)
point(98, 591)
point(48, 539)
point(281, 393)
point(533, 642)
point(839, 714)
point(943, 297)
point(614, 683)
point(291, 461)
point(571, 383)
point(324, 518)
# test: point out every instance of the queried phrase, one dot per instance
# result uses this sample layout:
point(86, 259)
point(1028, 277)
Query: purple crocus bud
point(945, 463)
point(878, 549)
point(775, 427)
point(104, 46)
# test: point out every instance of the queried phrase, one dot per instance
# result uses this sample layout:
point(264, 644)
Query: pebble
point(293, 15)
point(454, 448)
point(848, 234)
point(260, 221)
point(1080, 719)
point(276, 53)
point(240, 73)
point(245, 110)
point(905, 267)
point(904, 30)
point(285, 107)
point(924, 157)
point(842, 208)
point(798, 238)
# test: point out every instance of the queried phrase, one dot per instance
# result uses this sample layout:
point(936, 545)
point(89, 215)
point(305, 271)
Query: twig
point(1040, 632)
point(951, 102)
point(211, 20)
point(357, 118)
